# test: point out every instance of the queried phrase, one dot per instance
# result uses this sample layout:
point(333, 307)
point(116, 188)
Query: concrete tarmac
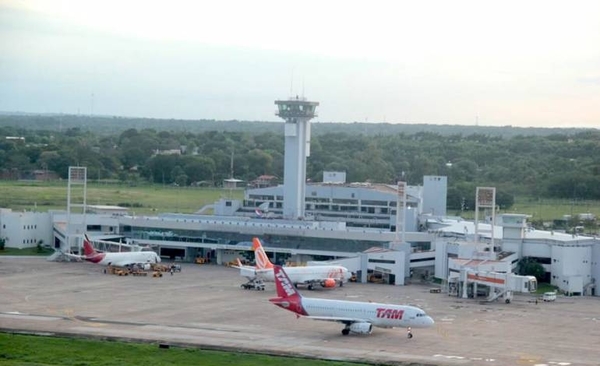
point(205, 306)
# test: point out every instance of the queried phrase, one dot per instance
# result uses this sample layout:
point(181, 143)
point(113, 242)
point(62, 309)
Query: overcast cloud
point(521, 63)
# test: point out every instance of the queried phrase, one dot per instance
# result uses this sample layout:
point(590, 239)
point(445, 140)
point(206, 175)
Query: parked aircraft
point(120, 259)
point(246, 271)
point(358, 317)
point(325, 276)
point(262, 210)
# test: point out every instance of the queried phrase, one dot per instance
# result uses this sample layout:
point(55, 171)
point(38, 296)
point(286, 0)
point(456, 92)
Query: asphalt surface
point(205, 306)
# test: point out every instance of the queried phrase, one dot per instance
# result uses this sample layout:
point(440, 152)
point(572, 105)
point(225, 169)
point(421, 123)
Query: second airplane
point(311, 276)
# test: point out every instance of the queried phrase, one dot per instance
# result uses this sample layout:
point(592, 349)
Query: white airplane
point(358, 317)
point(120, 259)
point(325, 276)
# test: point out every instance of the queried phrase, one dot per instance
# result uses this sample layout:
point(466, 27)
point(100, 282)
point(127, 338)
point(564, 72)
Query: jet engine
point(361, 328)
point(329, 282)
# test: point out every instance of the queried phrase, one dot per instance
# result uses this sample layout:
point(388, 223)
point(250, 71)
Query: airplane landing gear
point(409, 334)
point(345, 331)
point(310, 286)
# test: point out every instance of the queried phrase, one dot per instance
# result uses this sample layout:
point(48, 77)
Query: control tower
point(297, 113)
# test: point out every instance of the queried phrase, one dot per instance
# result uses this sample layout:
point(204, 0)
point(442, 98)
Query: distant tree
point(504, 200)
point(199, 168)
point(181, 180)
point(530, 267)
point(178, 176)
point(158, 168)
point(260, 162)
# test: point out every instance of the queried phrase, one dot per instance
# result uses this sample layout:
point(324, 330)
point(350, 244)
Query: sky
point(488, 63)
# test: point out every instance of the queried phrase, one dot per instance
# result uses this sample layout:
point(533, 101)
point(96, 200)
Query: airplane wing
point(338, 319)
point(241, 266)
point(127, 263)
point(73, 256)
point(325, 282)
point(245, 271)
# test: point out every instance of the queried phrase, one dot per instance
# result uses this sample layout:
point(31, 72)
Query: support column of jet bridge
point(297, 113)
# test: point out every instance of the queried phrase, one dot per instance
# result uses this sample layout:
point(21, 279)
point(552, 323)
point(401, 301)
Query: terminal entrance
point(381, 275)
point(172, 253)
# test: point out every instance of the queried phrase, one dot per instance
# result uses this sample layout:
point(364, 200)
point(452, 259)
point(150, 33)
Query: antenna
point(92, 105)
point(231, 164)
point(292, 84)
point(303, 88)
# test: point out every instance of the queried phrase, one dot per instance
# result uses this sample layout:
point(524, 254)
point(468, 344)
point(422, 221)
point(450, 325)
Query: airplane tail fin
point(88, 248)
point(262, 260)
point(285, 287)
point(288, 297)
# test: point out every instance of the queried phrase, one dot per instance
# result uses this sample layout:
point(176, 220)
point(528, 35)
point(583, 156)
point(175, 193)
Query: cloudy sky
point(495, 63)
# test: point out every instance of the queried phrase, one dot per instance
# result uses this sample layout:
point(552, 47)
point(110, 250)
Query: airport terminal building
point(342, 221)
point(396, 233)
point(352, 224)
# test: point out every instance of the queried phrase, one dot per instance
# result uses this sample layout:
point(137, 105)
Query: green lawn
point(550, 209)
point(544, 210)
point(142, 200)
point(152, 199)
point(545, 287)
point(28, 350)
point(26, 251)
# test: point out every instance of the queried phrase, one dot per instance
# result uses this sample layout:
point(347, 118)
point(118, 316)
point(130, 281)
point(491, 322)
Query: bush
point(530, 267)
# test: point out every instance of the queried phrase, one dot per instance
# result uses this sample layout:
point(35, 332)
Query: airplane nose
point(429, 321)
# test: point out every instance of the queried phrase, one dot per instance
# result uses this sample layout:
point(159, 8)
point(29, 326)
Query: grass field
point(142, 200)
point(152, 199)
point(550, 209)
point(26, 251)
point(543, 210)
point(545, 287)
point(21, 350)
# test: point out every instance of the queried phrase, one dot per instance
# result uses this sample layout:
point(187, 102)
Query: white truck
point(549, 296)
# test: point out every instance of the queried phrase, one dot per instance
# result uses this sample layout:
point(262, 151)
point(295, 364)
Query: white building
point(25, 229)
point(571, 261)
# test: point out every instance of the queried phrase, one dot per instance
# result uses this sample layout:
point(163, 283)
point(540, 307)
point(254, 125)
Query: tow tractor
point(254, 285)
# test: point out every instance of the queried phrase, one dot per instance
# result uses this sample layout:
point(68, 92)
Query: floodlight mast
point(485, 197)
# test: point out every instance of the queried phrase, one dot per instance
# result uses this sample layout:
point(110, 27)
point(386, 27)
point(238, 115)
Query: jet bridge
point(502, 285)
point(497, 284)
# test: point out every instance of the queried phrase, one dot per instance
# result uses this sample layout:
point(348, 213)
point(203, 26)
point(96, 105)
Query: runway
point(205, 306)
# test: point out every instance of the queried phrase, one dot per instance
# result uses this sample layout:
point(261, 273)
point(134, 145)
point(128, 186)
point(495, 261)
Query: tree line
point(556, 165)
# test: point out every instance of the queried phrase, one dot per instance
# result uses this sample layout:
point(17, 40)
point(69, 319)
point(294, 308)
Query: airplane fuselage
point(122, 259)
point(358, 317)
point(308, 274)
point(380, 315)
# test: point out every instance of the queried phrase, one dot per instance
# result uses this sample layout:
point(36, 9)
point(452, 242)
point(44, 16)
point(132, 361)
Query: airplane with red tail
point(358, 317)
point(119, 259)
